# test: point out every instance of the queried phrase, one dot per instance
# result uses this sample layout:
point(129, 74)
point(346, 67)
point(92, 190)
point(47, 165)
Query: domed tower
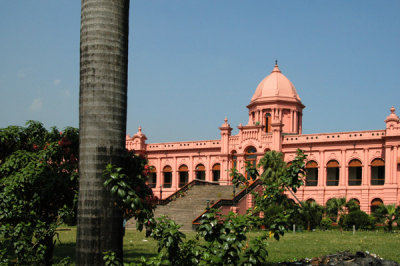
point(276, 104)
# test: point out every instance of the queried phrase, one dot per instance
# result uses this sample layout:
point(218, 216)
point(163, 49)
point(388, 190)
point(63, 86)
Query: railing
point(250, 133)
point(200, 144)
point(229, 202)
point(180, 193)
point(336, 136)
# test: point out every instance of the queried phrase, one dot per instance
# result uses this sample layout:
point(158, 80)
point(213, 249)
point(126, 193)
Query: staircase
point(183, 209)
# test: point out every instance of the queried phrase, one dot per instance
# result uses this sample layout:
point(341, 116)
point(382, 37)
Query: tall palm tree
point(102, 123)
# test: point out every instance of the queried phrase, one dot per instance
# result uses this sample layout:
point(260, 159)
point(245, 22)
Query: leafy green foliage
point(129, 185)
point(359, 219)
point(239, 179)
point(311, 213)
point(335, 207)
point(38, 189)
point(388, 214)
point(110, 258)
point(326, 223)
point(275, 209)
point(219, 241)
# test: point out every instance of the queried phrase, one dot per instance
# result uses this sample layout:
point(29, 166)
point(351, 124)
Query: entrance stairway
point(191, 201)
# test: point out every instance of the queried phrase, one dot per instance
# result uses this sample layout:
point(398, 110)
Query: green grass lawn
point(290, 247)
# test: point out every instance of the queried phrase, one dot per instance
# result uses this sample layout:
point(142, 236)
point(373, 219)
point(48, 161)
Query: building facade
point(360, 165)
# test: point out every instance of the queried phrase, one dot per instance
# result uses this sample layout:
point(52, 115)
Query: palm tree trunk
point(102, 124)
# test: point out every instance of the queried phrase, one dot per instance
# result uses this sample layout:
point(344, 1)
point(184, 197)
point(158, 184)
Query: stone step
point(185, 209)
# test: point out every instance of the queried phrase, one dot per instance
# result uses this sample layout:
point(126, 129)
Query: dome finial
point(276, 68)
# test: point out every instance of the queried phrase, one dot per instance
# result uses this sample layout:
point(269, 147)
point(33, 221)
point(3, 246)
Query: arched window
point(200, 172)
point(356, 201)
point(355, 173)
point(268, 122)
point(153, 177)
point(183, 175)
point(332, 173)
point(167, 172)
point(312, 173)
point(353, 204)
point(216, 172)
point(310, 200)
point(375, 204)
point(377, 172)
point(250, 156)
point(234, 159)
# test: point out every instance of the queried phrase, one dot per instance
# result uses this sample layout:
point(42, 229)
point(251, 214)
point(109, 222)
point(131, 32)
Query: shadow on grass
point(135, 255)
point(64, 250)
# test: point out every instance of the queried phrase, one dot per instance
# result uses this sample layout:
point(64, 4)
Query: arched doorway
point(167, 172)
point(216, 172)
point(377, 172)
point(312, 174)
point(375, 204)
point(332, 173)
point(200, 172)
point(355, 172)
point(153, 177)
point(183, 175)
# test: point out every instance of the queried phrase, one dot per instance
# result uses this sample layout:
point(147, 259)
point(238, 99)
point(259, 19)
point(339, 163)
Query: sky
point(193, 63)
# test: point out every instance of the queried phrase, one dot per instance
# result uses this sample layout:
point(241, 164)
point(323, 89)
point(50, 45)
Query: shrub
point(326, 223)
point(360, 219)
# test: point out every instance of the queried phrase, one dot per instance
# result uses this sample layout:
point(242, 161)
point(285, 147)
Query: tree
point(311, 213)
point(102, 124)
point(388, 214)
point(336, 207)
point(38, 189)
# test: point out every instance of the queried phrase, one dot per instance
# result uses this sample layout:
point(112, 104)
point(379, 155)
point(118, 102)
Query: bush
point(360, 219)
point(326, 223)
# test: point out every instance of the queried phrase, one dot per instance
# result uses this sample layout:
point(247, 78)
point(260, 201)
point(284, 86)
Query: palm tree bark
point(102, 124)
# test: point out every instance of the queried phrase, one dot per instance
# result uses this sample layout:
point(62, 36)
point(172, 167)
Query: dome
point(392, 116)
point(276, 87)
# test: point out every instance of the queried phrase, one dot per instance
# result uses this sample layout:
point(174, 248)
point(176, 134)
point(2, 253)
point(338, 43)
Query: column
point(300, 123)
point(343, 170)
point(366, 173)
point(208, 169)
point(388, 165)
point(394, 167)
point(175, 175)
point(159, 174)
point(321, 168)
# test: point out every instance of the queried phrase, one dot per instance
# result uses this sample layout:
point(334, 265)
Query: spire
point(225, 124)
point(276, 68)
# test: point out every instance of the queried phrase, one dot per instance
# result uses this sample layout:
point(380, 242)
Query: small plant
point(111, 259)
point(326, 223)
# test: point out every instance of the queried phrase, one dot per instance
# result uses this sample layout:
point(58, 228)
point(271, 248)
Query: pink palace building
point(361, 165)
